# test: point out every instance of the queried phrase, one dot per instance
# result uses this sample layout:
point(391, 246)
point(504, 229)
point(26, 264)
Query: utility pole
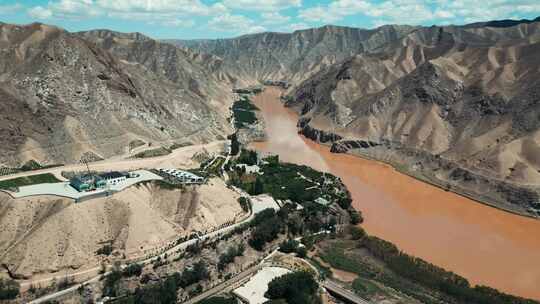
point(85, 161)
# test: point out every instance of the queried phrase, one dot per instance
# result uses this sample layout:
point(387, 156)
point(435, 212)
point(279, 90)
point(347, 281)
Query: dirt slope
point(48, 234)
point(456, 105)
point(65, 94)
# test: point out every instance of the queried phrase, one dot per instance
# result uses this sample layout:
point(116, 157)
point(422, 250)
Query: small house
point(87, 183)
point(322, 201)
point(114, 177)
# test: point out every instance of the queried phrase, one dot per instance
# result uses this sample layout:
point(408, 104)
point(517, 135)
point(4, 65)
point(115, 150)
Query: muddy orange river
point(483, 244)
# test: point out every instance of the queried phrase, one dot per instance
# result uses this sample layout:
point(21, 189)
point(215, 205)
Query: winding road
point(167, 253)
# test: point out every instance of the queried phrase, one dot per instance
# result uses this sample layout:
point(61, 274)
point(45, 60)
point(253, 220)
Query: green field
point(28, 180)
point(243, 111)
point(365, 288)
point(215, 168)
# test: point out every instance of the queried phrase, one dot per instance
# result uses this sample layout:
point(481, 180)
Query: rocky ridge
point(292, 57)
point(456, 106)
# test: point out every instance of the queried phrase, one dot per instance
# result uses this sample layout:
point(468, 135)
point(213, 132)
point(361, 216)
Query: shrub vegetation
point(28, 180)
point(294, 288)
point(9, 289)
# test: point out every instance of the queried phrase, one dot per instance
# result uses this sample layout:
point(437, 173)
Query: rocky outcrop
point(345, 146)
point(314, 134)
point(319, 135)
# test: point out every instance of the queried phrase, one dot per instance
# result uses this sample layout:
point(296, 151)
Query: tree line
point(435, 277)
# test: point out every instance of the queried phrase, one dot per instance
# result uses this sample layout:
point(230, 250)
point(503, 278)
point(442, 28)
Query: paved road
point(239, 278)
point(61, 293)
point(225, 285)
point(335, 288)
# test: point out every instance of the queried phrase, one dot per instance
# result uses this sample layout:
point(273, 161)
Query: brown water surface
point(483, 244)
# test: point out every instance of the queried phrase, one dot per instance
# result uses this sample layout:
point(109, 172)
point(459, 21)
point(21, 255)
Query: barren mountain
point(457, 106)
point(65, 94)
point(293, 57)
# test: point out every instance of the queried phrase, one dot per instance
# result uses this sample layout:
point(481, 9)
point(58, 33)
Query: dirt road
point(167, 253)
point(179, 157)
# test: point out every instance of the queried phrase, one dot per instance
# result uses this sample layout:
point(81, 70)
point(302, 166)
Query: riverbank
point(439, 184)
point(403, 169)
point(481, 243)
point(433, 169)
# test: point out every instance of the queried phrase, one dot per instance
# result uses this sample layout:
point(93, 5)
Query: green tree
point(356, 217)
point(258, 187)
point(228, 257)
point(194, 274)
point(244, 203)
point(266, 227)
point(111, 283)
point(218, 300)
point(357, 233)
point(301, 251)
point(9, 289)
point(288, 246)
point(132, 270)
point(297, 287)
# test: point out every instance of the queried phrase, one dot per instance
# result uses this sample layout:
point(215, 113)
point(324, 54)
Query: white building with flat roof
point(262, 202)
point(184, 177)
point(253, 291)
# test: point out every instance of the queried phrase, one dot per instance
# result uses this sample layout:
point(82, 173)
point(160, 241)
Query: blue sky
point(191, 19)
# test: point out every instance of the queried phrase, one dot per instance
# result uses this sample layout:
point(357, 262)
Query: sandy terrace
point(47, 234)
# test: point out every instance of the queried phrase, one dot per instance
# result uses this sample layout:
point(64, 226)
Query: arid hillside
point(295, 56)
point(50, 234)
point(458, 106)
point(65, 94)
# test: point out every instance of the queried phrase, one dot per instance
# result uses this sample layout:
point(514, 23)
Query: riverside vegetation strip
point(243, 112)
point(382, 268)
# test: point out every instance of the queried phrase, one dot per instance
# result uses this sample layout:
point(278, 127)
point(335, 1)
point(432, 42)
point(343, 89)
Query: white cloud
point(402, 12)
point(420, 11)
point(444, 14)
point(335, 11)
point(298, 26)
point(235, 23)
point(39, 12)
point(180, 23)
point(319, 14)
point(10, 8)
point(181, 7)
point(164, 12)
point(274, 18)
point(254, 29)
point(227, 15)
point(74, 9)
point(262, 5)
